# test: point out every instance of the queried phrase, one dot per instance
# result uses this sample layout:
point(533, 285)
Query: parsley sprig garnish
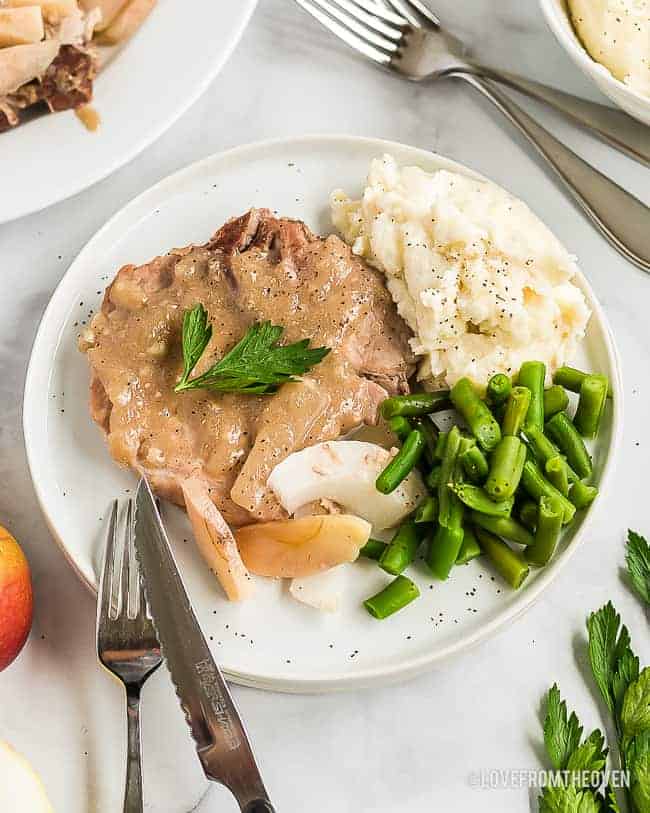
point(256, 365)
point(625, 689)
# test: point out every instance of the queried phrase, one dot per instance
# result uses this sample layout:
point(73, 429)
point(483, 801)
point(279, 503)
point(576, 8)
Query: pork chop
point(256, 267)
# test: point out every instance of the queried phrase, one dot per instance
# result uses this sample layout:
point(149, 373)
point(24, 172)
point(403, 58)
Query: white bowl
point(634, 103)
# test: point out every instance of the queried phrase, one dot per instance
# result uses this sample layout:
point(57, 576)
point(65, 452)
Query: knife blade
point(221, 741)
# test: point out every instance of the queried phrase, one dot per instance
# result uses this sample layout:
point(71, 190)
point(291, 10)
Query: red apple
point(15, 599)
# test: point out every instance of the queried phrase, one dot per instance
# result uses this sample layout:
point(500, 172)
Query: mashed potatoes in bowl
point(616, 33)
point(480, 280)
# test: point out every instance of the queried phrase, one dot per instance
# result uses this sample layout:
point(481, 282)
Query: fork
point(407, 39)
point(126, 642)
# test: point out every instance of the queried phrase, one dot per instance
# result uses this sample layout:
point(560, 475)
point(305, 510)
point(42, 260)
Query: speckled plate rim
point(39, 370)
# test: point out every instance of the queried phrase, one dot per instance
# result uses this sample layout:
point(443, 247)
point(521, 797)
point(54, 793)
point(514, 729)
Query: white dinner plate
point(145, 88)
point(270, 641)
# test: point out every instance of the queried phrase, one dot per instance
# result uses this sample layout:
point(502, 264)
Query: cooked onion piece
point(293, 548)
point(215, 540)
point(22, 63)
point(321, 591)
point(21, 26)
point(345, 471)
point(127, 21)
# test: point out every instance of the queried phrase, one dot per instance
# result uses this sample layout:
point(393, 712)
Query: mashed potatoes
point(616, 33)
point(481, 281)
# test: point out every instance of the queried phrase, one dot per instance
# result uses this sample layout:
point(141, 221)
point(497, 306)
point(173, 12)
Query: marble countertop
point(415, 746)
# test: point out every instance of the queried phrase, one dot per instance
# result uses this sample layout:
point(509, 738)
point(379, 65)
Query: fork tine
point(379, 10)
point(105, 600)
point(359, 44)
point(410, 9)
point(358, 28)
point(371, 20)
point(125, 573)
point(424, 10)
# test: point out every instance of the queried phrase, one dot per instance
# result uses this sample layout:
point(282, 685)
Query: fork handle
point(133, 789)
point(618, 129)
point(623, 219)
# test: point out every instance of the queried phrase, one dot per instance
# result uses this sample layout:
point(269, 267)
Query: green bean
point(401, 550)
point(427, 511)
point(474, 464)
point(403, 462)
point(470, 548)
point(430, 436)
point(538, 486)
point(446, 497)
point(563, 432)
point(433, 478)
point(509, 564)
point(418, 403)
point(498, 388)
point(593, 395)
point(401, 427)
point(571, 379)
point(440, 446)
point(475, 498)
point(549, 525)
point(444, 550)
point(477, 414)
point(544, 450)
point(506, 465)
point(557, 474)
point(555, 400)
point(373, 549)
point(582, 495)
point(517, 407)
point(395, 596)
point(506, 527)
point(532, 375)
point(528, 514)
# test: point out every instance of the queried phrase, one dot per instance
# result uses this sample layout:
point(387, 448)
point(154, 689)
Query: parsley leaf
point(638, 564)
point(560, 799)
point(606, 648)
point(638, 762)
point(611, 802)
point(561, 732)
point(590, 757)
point(256, 365)
point(196, 336)
point(635, 713)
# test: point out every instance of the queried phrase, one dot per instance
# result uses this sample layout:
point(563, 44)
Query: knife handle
point(259, 806)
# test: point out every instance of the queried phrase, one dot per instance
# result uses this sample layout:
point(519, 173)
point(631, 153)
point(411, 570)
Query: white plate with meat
point(191, 444)
point(178, 47)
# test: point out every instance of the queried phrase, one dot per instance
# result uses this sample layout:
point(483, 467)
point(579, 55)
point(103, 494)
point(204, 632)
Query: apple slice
point(345, 471)
point(294, 548)
point(127, 21)
point(20, 787)
point(215, 540)
point(20, 26)
point(22, 63)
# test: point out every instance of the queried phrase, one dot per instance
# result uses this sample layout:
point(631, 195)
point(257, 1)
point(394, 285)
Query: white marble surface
point(408, 747)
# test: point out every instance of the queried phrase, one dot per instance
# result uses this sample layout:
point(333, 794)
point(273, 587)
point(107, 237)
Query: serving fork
point(405, 37)
point(126, 641)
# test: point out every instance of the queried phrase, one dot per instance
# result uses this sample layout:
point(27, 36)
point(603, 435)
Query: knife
point(218, 732)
